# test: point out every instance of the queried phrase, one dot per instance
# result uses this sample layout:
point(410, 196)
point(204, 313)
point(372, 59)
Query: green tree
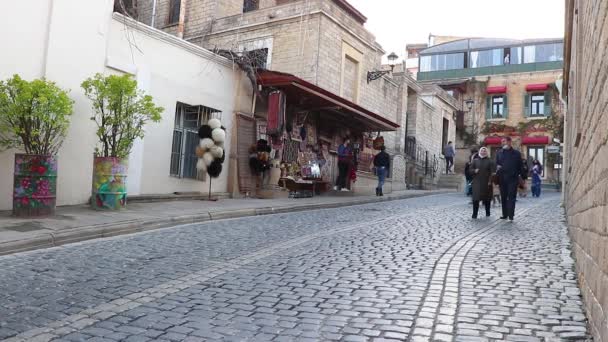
point(34, 116)
point(120, 112)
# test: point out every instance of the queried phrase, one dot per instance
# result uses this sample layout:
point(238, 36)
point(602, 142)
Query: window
point(174, 9)
point(544, 53)
point(537, 105)
point(487, 58)
point(449, 61)
point(258, 58)
point(250, 5)
point(188, 119)
point(126, 7)
point(497, 107)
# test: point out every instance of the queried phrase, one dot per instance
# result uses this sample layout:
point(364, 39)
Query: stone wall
point(586, 143)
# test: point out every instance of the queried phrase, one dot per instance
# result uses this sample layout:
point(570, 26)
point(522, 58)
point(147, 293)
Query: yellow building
point(507, 88)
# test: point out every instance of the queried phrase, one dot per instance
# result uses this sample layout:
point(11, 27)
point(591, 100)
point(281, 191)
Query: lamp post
point(376, 74)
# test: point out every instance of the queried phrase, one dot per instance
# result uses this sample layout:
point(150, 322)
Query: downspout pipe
point(153, 13)
point(182, 19)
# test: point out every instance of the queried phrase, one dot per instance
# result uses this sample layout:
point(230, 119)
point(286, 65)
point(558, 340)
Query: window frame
point(500, 113)
point(538, 105)
point(204, 114)
point(171, 14)
point(250, 5)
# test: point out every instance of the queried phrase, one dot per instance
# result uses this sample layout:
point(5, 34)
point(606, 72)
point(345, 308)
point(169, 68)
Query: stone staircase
point(455, 182)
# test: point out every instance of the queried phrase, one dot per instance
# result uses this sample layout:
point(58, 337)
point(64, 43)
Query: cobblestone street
point(409, 270)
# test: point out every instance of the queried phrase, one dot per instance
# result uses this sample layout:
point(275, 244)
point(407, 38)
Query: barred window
point(188, 119)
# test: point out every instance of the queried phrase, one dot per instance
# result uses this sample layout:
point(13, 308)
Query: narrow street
point(409, 270)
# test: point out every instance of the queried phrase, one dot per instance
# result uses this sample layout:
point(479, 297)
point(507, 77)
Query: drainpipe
point(182, 19)
point(47, 39)
point(153, 13)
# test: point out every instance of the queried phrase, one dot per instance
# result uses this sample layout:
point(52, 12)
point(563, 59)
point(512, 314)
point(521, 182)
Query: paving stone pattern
point(411, 270)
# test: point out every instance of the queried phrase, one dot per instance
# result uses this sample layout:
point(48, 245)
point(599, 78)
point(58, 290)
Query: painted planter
point(109, 183)
point(35, 185)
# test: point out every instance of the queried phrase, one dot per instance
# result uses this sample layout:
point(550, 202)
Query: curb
point(78, 234)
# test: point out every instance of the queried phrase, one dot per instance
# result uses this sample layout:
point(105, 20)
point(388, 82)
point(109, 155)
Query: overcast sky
point(397, 22)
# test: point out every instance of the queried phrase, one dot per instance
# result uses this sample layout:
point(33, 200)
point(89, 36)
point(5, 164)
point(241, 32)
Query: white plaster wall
point(23, 48)
point(175, 75)
point(80, 46)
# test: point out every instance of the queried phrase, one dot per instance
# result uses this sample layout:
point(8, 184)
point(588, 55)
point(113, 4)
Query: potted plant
point(34, 117)
point(120, 111)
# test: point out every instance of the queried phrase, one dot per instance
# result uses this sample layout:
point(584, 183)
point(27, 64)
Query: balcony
point(494, 70)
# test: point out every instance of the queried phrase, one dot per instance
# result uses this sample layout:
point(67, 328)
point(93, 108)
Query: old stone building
point(586, 153)
point(506, 88)
point(323, 42)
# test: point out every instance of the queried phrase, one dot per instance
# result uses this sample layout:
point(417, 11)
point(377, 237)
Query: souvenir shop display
point(210, 151)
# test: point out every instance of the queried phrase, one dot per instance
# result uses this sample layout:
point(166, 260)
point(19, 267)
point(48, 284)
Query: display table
point(313, 186)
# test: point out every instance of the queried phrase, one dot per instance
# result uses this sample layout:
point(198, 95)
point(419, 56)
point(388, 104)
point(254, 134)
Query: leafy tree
point(34, 116)
point(120, 112)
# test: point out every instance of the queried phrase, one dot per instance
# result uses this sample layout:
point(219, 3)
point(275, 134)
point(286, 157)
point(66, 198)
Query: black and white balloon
point(213, 136)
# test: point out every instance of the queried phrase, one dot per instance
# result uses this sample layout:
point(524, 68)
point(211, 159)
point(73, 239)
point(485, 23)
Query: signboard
point(553, 149)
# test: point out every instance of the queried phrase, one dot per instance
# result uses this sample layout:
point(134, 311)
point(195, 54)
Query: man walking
point(509, 168)
point(449, 153)
point(382, 162)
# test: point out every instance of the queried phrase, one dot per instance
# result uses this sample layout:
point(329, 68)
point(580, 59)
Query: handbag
point(378, 142)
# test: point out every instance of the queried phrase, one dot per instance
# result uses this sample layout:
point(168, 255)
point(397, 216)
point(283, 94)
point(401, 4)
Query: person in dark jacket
point(482, 170)
point(382, 162)
point(509, 169)
point(449, 153)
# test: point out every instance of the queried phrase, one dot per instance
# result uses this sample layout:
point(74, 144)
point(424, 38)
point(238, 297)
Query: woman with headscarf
point(482, 170)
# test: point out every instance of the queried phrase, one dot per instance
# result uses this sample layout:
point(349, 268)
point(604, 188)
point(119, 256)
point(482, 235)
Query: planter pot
point(109, 183)
point(35, 185)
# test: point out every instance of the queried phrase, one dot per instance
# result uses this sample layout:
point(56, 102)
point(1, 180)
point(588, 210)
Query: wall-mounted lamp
point(376, 74)
point(469, 103)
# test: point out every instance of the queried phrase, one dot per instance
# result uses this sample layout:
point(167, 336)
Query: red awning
point(535, 140)
point(496, 90)
point(537, 87)
point(307, 94)
point(492, 141)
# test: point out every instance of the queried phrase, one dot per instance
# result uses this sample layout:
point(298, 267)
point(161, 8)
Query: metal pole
point(153, 13)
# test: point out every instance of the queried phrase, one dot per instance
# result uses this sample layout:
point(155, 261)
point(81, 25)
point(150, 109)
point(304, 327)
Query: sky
point(397, 22)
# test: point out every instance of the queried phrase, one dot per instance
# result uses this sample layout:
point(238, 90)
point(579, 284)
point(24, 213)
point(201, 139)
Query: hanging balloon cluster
point(210, 151)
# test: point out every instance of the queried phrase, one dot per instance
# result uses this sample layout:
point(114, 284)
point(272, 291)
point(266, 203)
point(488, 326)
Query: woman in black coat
point(482, 168)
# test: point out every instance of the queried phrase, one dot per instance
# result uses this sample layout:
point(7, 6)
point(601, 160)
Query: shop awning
point(492, 140)
point(535, 140)
point(496, 90)
point(537, 87)
point(307, 95)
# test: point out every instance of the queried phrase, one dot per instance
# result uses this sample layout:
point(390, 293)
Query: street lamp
point(376, 74)
point(469, 103)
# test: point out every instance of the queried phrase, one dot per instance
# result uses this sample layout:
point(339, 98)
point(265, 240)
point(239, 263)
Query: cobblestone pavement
point(411, 270)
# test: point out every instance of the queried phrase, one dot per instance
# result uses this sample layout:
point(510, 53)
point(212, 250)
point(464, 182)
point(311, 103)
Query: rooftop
point(484, 43)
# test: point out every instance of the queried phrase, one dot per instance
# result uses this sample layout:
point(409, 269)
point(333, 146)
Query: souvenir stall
point(299, 129)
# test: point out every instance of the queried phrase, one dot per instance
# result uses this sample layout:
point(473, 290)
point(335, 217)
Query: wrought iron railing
point(422, 158)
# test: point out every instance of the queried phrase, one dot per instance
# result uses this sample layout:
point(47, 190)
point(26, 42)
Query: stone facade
point(321, 41)
point(586, 151)
point(475, 120)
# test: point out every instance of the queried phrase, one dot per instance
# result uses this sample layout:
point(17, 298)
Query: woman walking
point(482, 181)
point(537, 171)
